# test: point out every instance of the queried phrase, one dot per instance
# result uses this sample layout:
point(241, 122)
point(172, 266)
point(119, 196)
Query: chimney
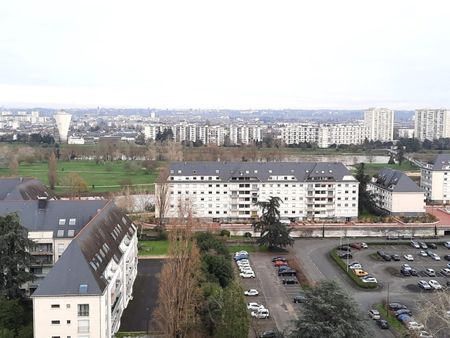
point(42, 203)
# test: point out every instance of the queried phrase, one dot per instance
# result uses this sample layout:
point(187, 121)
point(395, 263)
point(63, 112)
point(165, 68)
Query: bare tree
point(174, 151)
point(13, 166)
point(162, 193)
point(74, 184)
point(52, 175)
point(179, 293)
point(434, 312)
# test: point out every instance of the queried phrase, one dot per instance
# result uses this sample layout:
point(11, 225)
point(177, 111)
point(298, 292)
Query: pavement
point(138, 314)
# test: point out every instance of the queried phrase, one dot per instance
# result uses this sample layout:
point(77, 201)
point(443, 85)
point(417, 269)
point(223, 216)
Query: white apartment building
point(435, 179)
point(243, 134)
point(380, 124)
point(406, 133)
point(300, 133)
point(329, 134)
point(431, 124)
point(228, 190)
point(394, 192)
point(185, 132)
point(86, 292)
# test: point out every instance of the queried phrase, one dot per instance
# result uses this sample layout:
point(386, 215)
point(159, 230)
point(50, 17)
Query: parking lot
point(273, 294)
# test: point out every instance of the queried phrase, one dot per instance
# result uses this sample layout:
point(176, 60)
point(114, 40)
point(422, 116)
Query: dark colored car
point(402, 312)
point(387, 258)
point(299, 299)
point(239, 257)
point(413, 272)
point(432, 245)
point(290, 281)
point(404, 318)
point(395, 257)
point(279, 258)
point(447, 257)
point(357, 246)
point(405, 272)
point(345, 255)
point(288, 273)
point(344, 248)
point(283, 268)
point(381, 253)
point(448, 283)
point(383, 324)
point(268, 334)
point(396, 306)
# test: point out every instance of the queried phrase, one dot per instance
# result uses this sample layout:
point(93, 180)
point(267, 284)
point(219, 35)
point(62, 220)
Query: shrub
point(225, 233)
point(350, 273)
point(248, 235)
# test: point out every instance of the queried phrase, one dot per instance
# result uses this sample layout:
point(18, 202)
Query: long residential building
point(435, 179)
point(396, 193)
point(86, 292)
point(228, 191)
point(380, 124)
point(431, 124)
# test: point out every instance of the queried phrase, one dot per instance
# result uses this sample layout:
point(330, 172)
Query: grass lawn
point(153, 248)
point(246, 247)
point(373, 168)
point(105, 177)
point(394, 324)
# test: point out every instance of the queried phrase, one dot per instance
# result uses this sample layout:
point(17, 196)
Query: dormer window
point(62, 221)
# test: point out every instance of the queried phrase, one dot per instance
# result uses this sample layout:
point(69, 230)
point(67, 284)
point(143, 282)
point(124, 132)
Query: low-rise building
point(396, 193)
point(229, 190)
point(435, 179)
point(85, 293)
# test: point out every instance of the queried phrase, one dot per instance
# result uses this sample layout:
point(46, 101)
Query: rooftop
point(396, 181)
point(19, 188)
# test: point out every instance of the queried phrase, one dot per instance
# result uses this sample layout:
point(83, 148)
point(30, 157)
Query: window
point(72, 221)
point(55, 322)
point(62, 221)
point(83, 310)
point(55, 306)
point(83, 326)
point(68, 322)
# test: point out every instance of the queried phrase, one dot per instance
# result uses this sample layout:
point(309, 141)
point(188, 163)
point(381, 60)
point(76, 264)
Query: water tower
point(62, 123)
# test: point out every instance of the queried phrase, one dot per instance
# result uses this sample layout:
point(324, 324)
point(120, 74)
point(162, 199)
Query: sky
point(225, 54)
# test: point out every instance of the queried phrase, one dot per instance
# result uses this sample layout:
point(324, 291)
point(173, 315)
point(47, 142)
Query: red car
point(280, 263)
point(357, 246)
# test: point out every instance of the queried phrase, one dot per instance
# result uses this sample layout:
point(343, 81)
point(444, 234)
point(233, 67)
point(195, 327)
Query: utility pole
point(387, 301)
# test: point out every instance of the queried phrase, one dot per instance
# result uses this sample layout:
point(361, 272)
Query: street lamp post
point(147, 311)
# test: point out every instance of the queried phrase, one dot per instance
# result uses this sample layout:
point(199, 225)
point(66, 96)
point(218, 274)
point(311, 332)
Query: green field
point(105, 177)
point(373, 168)
point(153, 248)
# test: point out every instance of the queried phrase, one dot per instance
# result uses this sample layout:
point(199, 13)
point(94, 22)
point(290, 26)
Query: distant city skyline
point(225, 55)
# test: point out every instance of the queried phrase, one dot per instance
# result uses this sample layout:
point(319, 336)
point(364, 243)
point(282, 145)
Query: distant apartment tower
point(244, 134)
point(380, 124)
point(299, 133)
point(431, 124)
point(406, 133)
point(62, 123)
point(329, 134)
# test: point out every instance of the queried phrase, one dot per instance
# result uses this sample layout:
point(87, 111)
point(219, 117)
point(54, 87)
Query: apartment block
point(86, 292)
point(394, 192)
point(435, 179)
point(229, 190)
point(329, 134)
point(300, 133)
point(431, 124)
point(380, 124)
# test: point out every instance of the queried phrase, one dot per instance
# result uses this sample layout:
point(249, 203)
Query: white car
point(242, 262)
point(446, 272)
point(430, 272)
point(435, 284)
point(369, 279)
point(415, 326)
point(424, 285)
point(355, 266)
point(255, 306)
point(251, 292)
point(244, 265)
point(261, 314)
point(423, 253)
point(408, 257)
point(364, 245)
point(436, 257)
point(374, 314)
point(247, 274)
point(425, 334)
point(243, 252)
point(246, 270)
point(415, 245)
point(447, 245)
point(406, 267)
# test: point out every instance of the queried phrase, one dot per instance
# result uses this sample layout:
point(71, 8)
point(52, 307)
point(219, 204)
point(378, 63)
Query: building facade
point(435, 179)
point(394, 192)
point(86, 292)
point(380, 124)
point(431, 124)
point(229, 190)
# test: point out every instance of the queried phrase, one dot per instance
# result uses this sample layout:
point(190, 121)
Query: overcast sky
point(225, 54)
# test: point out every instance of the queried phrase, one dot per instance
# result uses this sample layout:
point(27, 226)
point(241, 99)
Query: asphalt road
point(138, 314)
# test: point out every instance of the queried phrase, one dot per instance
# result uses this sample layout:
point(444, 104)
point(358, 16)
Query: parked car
point(243, 262)
point(247, 274)
point(432, 245)
point(280, 263)
point(355, 266)
point(395, 257)
point(447, 257)
point(402, 312)
point(360, 272)
point(387, 258)
point(423, 253)
point(381, 253)
point(429, 253)
point(447, 245)
point(448, 283)
point(404, 318)
point(415, 245)
point(242, 252)
point(435, 284)
point(299, 299)
point(255, 306)
point(344, 248)
point(364, 245)
point(245, 268)
point(369, 279)
point(396, 306)
point(279, 258)
point(425, 334)
point(383, 324)
point(240, 257)
point(448, 265)
point(287, 272)
point(424, 285)
point(423, 245)
point(430, 272)
point(405, 272)
point(414, 326)
point(414, 272)
point(345, 255)
point(374, 314)
point(251, 292)
point(290, 281)
point(260, 314)
point(356, 246)
point(445, 272)
point(283, 268)
point(268, 334)
point(408, 257)
point(436, 257)
point(406, 266)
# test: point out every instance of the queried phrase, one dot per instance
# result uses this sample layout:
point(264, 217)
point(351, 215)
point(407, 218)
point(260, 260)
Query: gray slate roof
point(441, 162)
point(19, 188)
point(85, 259)
point(303, 171)
point(35, 219)
point(396, 181)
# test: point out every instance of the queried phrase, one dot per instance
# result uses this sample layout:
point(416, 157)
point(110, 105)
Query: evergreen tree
point(14, 256)
point(400, 155)
point(365, 202)
point(273, 232)
point(329, 313)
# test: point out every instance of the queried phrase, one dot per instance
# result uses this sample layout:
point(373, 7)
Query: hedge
point(350, 273)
